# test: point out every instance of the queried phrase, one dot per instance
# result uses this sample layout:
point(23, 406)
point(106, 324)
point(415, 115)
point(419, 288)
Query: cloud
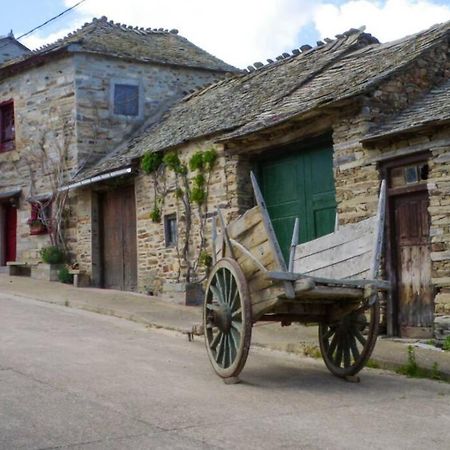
point(242, 32)
point(237, 31)
point(387, 20)
point(36, 40)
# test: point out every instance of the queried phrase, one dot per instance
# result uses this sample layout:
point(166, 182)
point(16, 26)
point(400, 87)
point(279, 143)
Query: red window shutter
point(34, 211)
point(7, 129)
point(8, 123)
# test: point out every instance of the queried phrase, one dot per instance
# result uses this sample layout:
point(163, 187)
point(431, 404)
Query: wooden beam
point(290, 276)
point(214, 237)
point(244, 250)
point(278, 256)
point(294, 242)
point(379, 233)
point(225, 233)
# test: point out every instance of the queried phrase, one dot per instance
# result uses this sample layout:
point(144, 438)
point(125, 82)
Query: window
point(7, 131)
point(126, 99)
point(415, 173)
point(40, 215)
point(170, 230)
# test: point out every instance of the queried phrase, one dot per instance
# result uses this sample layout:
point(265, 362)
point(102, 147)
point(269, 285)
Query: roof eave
point(398, 132)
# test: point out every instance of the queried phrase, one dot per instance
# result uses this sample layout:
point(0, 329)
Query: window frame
point(170, 232)
point(9, 144)
point(127, 82)
point(35, 220)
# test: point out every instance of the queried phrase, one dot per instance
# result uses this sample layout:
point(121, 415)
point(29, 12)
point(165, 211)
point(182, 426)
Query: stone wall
point(437, 143)
point(399, 91)
point(439, 209)
point(158, 264)
point(44, 110)
point(99, 130)
point(357, 179)
point(356, 173)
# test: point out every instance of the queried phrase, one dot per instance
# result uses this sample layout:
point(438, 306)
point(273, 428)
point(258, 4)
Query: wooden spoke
point(218, 348)
point(227, 318)
point(235, 337)
point(230, 287)
point(213, 307)
point(346, 345)
point(237, 325)
point(236, 313)
point(329, 333)
point(218, 285)
point(332, 346)
point(216, 340)
point(354, 348)
point(346, 349)
point(338, 355)
point(360, 337)
point(234, 301)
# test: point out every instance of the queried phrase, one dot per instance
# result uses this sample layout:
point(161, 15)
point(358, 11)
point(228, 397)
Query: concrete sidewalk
point(154, 312)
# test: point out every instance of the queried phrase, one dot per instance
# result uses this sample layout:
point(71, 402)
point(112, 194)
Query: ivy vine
point(192, 182)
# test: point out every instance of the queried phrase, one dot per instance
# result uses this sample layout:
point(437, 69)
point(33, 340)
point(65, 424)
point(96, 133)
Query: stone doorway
point(408, 259)
point(118, 239)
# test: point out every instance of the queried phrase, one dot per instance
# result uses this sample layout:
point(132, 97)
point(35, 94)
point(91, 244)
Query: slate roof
point(122, 41)
point(432, 109)
point(292, 86)
point(11, 48)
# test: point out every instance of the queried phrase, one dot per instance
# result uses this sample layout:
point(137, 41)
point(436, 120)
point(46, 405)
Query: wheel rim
point(227, 318)
point(347, 344)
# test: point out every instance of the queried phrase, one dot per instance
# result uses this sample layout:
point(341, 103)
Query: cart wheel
point(347, 344)
point(227, 318)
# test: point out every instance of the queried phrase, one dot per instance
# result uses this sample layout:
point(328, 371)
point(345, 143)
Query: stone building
point(320, 127)
point(65, 106)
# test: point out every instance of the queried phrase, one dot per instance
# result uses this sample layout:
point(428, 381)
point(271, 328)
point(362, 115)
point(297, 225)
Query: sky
point(239, 32)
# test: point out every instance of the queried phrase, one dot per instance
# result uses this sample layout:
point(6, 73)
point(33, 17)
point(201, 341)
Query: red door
point(10, 233)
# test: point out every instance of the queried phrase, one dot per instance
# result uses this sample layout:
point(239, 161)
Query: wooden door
point(410, 307)
point(300, 184)
point(10, 234)
point(118, 239)
point(412, 247)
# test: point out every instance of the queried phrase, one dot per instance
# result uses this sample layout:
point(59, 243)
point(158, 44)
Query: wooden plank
point(245, 222)
point(379, 233)
point(290, 276)
point(343, 269)
point(261, 252)
point(266, 301)
point(224, 232)
point(278, 256)
point(345, 234)
point(294, 243)
point(213, 241)
point(249, 254)
point(335, 255)
point(259, 282)
point(332, 293)
point(253, 237)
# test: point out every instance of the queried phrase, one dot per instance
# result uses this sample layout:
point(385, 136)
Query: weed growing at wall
point(413, 370)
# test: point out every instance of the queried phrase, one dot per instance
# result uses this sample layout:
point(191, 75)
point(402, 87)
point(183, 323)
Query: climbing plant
point(191, 189)
point(151, 164)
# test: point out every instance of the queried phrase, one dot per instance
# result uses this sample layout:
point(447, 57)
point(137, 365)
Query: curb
point(303, 349)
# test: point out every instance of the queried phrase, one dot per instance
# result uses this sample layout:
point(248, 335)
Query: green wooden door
point(300, 184)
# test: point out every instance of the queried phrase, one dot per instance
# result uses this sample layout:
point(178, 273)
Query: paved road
point(78, 380)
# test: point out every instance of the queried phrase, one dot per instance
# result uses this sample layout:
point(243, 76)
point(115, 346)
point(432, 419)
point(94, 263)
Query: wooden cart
point(331, 281)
